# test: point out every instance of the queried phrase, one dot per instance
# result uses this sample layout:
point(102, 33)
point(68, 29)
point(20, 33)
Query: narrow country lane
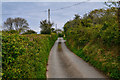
point(63, 63)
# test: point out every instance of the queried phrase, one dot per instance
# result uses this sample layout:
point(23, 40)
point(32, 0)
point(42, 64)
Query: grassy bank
point(25, 56)
point(100, 57)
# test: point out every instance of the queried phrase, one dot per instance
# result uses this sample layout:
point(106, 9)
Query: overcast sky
point(31, 11)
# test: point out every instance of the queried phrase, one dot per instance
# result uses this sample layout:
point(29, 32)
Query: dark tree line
point(21, 25)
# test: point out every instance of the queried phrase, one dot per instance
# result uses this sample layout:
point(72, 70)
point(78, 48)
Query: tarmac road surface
point(63, 63)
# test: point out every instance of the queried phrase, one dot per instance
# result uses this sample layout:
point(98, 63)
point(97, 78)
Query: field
point(25, 56)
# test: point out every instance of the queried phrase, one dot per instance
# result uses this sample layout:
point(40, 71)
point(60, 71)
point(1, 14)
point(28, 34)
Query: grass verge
point(104, 60)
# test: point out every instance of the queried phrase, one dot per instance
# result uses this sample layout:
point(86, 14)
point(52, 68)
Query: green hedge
point(25, 56)
point(96, 38)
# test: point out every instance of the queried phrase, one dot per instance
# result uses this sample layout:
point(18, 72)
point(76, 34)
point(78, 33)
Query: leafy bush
point(30, 32)
point(11, 32)
point(48, 31)
point(60, 35)
point(25, 56)
point(110, 35)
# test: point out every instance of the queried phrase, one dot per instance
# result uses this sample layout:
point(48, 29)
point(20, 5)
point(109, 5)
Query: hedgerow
point(25, 56)
point(96, 38)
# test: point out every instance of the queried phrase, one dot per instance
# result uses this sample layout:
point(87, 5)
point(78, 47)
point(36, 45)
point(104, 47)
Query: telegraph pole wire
point(54, 9)
point(70, 6)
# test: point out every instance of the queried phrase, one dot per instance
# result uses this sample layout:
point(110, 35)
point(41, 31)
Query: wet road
point(63, 63)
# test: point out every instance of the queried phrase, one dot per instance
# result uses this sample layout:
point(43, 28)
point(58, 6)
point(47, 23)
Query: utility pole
point(49, 16)
point(56, 28)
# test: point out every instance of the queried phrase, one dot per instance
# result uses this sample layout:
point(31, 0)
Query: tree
point(112, 3)
point(117, 5)
point(77, 16)
point(18, 24)
point(46, 27)
point(9, 24)
point(53, 30)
